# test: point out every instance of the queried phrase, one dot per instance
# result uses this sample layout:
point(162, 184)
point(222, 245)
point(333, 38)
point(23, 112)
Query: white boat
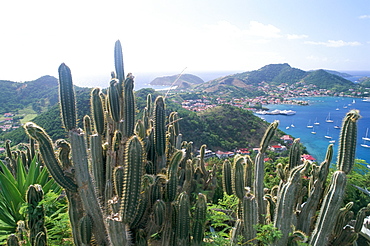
point(336, 126)
point(345, 106)
point(365, 144)
point(327, 135)
point(316, 122)
point(313, 130)
point(366, 99)
point(328, 119)
point(366, 138)
point(332, 141)
point(309, 124)
point(287, 112)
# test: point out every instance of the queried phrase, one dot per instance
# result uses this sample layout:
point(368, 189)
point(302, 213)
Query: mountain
point(277, 74)
point(184, 81)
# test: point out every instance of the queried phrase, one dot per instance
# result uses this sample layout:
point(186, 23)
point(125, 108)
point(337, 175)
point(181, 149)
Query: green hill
point(223, 128)
point(183, 80)
point(276, 74)
point(41, 93)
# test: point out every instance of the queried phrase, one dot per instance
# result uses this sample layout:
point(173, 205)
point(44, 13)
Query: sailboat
point(337, 126)
point(328, 119)
point(366, 138)
point(327, 135)
point(309, 124)
point(313, 130)
point(316, 122)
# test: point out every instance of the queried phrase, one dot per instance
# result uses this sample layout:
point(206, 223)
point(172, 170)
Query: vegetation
point(132, 180)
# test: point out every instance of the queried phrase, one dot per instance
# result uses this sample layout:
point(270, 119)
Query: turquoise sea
point(318, 110)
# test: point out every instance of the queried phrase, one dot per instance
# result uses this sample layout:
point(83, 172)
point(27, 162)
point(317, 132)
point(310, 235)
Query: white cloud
point(296, 36)
point(334, 43)
point(364, 17)
point(261, 30)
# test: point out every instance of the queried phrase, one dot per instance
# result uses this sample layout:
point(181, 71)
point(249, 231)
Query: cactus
point(36, 214)
point(67, 97)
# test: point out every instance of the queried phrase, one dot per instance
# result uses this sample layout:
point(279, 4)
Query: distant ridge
point(185, 80)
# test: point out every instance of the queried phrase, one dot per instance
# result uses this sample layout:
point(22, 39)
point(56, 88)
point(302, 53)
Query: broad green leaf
point(6, 216)
point(43, 177)
point(7, 172)
point(33, 173)
point(21, 176)
point(10, 191)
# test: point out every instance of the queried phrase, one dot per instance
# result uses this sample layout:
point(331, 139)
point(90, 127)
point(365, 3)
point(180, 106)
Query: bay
point(318, 110)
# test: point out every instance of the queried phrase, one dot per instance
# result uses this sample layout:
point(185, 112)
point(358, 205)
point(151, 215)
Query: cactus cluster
point(127, 179)
point(301, 213)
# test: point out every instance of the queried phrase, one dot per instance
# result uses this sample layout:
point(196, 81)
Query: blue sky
point(199, 35)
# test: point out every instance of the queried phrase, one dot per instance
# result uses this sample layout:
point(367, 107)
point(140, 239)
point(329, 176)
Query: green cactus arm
point(237, 173)
point(329, 209)
point(284, 213)
point(12, 240)
point(173, 179)
point(347, 143)
point(86, 188)
point(48, 155)
point(249, 217)
point(118, 61)
point(67, 98)
point(295, 154)
point(129, 106)
point(85, 228)
point(248, 172)
point(270, 131)
point(97, 163)
point(114, 104)
point(226, 177)
point(199, 220)
point(159, 212)
point(159, 126)
point(134, 170)
point(97, 111)
point(118, 174)
point(183, 220)
point(259, 187)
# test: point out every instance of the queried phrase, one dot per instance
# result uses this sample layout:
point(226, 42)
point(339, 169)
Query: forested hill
point(277, 74)
point(42, 92)
point(224, 127)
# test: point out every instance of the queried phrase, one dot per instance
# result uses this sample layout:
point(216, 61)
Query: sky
point(172, 35)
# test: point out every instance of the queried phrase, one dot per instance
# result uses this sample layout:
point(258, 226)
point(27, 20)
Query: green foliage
point(14, 188)
point(221, 217)
point(267, 234)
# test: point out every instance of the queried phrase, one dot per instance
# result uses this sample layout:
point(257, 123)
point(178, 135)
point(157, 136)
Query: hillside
point(41, 93)
point(274, 75)
point(223, 128)
point(185, 80)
